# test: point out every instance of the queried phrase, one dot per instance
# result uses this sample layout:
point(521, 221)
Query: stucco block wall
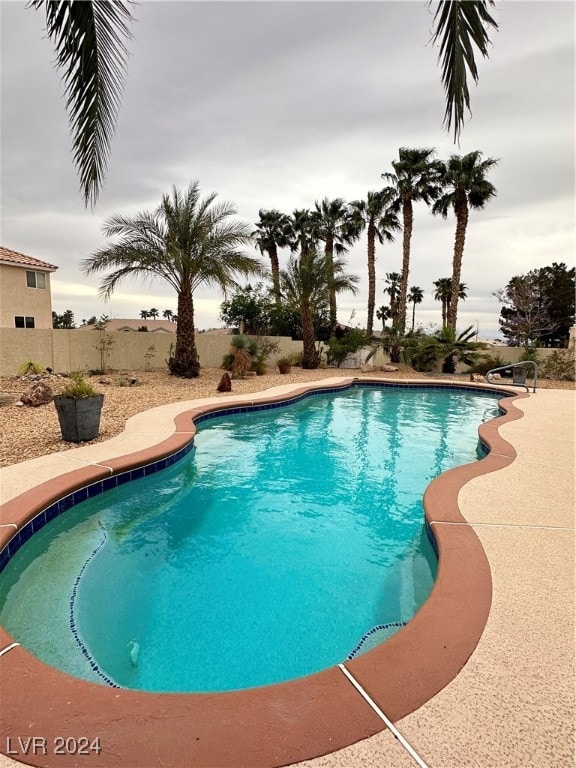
point(17, 299)
point(74, 350)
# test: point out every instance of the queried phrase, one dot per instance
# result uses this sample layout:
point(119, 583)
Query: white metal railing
point(519, 374)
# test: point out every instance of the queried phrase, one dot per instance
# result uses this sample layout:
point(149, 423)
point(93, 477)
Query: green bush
point(529, 354)
point(339, 349)
point(78, 388)
point(560, 365)
point(487, 362)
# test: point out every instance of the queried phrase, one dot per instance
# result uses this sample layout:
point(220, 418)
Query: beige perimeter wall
point(66, 351)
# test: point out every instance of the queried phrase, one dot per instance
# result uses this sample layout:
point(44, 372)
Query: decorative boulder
point(389, 368)
point(225, 383)
point(38, 394)
point(477, 377)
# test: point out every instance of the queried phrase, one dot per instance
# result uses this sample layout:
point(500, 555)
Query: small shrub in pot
point(79, 407)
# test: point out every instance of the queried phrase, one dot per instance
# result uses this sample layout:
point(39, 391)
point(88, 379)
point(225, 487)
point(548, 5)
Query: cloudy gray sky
point(279, 104)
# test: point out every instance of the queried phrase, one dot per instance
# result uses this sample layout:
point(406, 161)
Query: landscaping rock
point(389, 368)
point(38, 394)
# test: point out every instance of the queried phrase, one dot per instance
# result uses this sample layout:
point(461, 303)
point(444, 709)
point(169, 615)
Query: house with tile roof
point(25, 296)
point(131, 324)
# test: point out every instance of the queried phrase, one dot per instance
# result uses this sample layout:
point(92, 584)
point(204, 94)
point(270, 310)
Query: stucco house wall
point(17, 298)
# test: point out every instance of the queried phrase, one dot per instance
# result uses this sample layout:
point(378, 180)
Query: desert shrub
point(340, 347)
point(560, 365)
point(78, 388)
point(29, 366)
point(529, 355)
point(487, 362)
point(248, 354)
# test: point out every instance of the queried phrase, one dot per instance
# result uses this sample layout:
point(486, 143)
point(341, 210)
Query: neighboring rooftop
point(16, 259)
point(132, 325)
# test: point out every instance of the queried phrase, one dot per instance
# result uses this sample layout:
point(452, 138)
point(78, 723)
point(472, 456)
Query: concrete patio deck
point(513, 703)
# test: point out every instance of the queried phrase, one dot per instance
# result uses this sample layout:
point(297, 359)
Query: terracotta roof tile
point(21, 260)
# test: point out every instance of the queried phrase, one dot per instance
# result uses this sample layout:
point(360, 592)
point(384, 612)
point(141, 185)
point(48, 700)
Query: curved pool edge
point(288, 722)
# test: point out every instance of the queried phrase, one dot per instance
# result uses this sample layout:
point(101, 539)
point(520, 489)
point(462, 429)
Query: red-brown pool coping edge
point(273, 725)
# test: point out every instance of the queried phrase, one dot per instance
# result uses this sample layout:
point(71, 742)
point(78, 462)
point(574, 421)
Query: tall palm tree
point(144, 314)
point(460, 25)
point(306, 284)
point(303, 231)
point(393, 290)
point(384, 313)
point(168, 314)
point(416, 177)
point(89, 37)
point(154, 313)
point(443, 293)
point(273, 231)
point(334, 226)
point(415, 296)
point(376, 215)
point(187, 241)
point(465, 186)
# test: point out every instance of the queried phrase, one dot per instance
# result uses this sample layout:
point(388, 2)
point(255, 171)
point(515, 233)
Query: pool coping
point(288, 722)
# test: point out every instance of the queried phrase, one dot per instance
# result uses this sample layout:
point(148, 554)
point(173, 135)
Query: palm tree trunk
point(413, 314)
point(444, 311)
point(329, 253)
point(407, 218)
point(185, 361)
point(371, 276)
point(461, 211)
point(275, 267)
point(309, 354)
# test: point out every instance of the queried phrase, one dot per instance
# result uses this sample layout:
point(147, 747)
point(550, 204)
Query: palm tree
point(443, 293)
point(153, 313)
point(457, 348)
point(273, 231)
point(144, 314)
point(376, 215)
point(334, 226)
point(393, 290)
point(303, 235)
point(461, 25)
point(168, 314)
point(465, 186)
point(415, 296)
point(187, 241)
point(384, 313)
point(306, 283)
point(416, 177)
point(89, 37)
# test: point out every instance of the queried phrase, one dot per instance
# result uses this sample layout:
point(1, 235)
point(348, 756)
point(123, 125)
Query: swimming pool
point(331, 521)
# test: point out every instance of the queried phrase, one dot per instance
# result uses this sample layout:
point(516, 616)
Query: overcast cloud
point(276, 105)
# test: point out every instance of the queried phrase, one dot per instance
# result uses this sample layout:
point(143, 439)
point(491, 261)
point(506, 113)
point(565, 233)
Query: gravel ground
point(27, 432)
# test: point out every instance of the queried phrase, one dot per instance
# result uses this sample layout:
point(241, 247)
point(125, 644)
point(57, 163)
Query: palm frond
point(460, 25)
point(89, 37)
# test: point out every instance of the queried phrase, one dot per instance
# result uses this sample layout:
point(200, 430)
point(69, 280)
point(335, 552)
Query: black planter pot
point(79, 419)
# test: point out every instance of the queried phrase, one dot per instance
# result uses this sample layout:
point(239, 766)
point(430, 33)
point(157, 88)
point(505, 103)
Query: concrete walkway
point(513, 704)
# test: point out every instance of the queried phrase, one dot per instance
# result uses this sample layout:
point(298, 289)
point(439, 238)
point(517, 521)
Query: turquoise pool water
point(265, 554)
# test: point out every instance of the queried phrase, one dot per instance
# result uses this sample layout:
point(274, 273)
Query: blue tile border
point(83, 494)
point(73, 624)
point(366, 635)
